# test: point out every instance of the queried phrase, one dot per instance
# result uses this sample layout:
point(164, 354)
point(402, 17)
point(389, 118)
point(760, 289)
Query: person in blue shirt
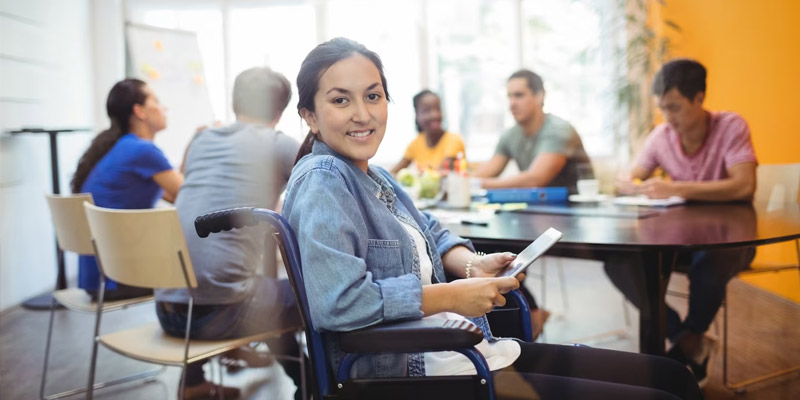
point(123, 168)
point(369, 256)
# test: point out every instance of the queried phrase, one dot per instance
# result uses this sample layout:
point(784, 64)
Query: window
point(390, 29)
point(278, 37)
point(462, 49)
point(474, 47)
point(577, 65)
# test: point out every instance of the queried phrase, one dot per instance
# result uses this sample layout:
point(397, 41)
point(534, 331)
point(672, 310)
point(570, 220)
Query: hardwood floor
point(764, 335)
point(764, 328)
point(22, 340)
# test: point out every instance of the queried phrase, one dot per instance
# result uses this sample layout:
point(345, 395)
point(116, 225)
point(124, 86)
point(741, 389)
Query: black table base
point(44, 301)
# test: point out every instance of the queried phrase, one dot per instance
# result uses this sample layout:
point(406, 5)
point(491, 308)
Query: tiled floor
point(765, 332)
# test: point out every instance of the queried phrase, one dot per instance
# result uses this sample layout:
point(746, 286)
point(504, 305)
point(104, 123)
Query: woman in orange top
point(433, 146)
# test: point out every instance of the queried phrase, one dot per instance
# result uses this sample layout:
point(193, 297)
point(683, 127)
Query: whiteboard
point(170, 62)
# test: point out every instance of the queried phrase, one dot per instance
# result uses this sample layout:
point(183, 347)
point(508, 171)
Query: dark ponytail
point(119, 108)
point(306, 146)
point(315, 64)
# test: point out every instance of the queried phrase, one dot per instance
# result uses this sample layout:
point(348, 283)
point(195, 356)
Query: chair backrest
point(287, 242)
point(69, 221)
point(141, 247)
point(778, 183)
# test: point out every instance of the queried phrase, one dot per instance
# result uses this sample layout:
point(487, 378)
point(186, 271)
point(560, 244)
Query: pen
point(476, 223)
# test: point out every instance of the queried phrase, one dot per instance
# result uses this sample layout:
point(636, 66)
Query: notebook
point(645, 201)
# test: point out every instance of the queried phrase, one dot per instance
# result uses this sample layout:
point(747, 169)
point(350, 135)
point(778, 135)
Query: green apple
point(429, 184)
point(406, 177)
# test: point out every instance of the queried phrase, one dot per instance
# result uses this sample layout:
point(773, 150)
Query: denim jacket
point(360, 266)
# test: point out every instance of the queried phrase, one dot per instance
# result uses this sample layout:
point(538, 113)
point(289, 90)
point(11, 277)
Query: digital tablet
point(534, 250)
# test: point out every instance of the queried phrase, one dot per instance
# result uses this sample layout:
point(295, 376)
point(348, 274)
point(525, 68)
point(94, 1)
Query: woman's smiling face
point(350, 109)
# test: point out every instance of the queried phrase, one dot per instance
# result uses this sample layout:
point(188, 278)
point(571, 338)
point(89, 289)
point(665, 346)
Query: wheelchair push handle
point(224, 220)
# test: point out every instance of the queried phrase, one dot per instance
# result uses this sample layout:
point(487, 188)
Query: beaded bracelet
point(471, 261)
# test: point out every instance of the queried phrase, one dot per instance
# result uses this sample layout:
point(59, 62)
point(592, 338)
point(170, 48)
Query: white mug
point(458, 194)
point(588, 187)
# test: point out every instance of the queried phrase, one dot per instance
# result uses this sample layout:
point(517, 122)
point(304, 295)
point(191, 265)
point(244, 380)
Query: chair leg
point(543, 281)
point(220, 386)
point(302, 360)
point(563, 282)
point(543, 335)
point(626, 313)
point(725, 339)
point(741, 387)
point(47, 348)
point(75, 391)
point(95, 336)
point(182, 385)
point(797, 251)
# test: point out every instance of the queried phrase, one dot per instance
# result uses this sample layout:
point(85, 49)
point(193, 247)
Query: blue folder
point(528, 195)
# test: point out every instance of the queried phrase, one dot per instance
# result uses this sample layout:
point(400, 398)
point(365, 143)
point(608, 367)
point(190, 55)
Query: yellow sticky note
point(514, 206)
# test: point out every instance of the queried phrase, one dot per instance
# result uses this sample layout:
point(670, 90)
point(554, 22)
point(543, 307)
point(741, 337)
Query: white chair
point(146, 248)
point(777, 186)
point(72, 231)
point(778, 183)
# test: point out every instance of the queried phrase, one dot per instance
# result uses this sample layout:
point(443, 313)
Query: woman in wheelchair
point(369, 256)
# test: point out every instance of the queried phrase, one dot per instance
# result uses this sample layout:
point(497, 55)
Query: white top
point(499, 354)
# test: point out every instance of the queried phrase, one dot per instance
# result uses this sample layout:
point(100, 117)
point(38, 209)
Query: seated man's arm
point(493, 167)
point(630, 184)
point(543, 169)
point(740, 185)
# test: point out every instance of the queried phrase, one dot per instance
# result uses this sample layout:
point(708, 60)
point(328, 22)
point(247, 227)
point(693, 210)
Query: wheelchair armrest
point(412, 336)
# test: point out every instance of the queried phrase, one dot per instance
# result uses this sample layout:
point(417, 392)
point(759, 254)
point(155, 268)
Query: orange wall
point(751, 49)
point(752, 52)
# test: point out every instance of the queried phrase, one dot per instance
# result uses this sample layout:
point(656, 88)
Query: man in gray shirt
point(246, 164)
point(546, 148)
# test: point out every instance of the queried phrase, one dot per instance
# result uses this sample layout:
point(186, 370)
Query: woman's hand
point(476, 297)
point(491, 264)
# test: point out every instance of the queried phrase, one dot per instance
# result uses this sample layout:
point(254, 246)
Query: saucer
point(578, 198)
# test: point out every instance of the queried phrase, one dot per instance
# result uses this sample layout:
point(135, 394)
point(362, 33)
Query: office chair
point(396, 337)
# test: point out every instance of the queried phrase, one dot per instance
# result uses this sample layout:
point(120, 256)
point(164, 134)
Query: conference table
point(592, 232)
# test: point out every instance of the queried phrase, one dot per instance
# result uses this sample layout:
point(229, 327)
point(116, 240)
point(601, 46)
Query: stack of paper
point(645, 201)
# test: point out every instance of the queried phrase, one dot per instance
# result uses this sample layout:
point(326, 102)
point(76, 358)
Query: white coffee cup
point(458, 194)
point(588, 187)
